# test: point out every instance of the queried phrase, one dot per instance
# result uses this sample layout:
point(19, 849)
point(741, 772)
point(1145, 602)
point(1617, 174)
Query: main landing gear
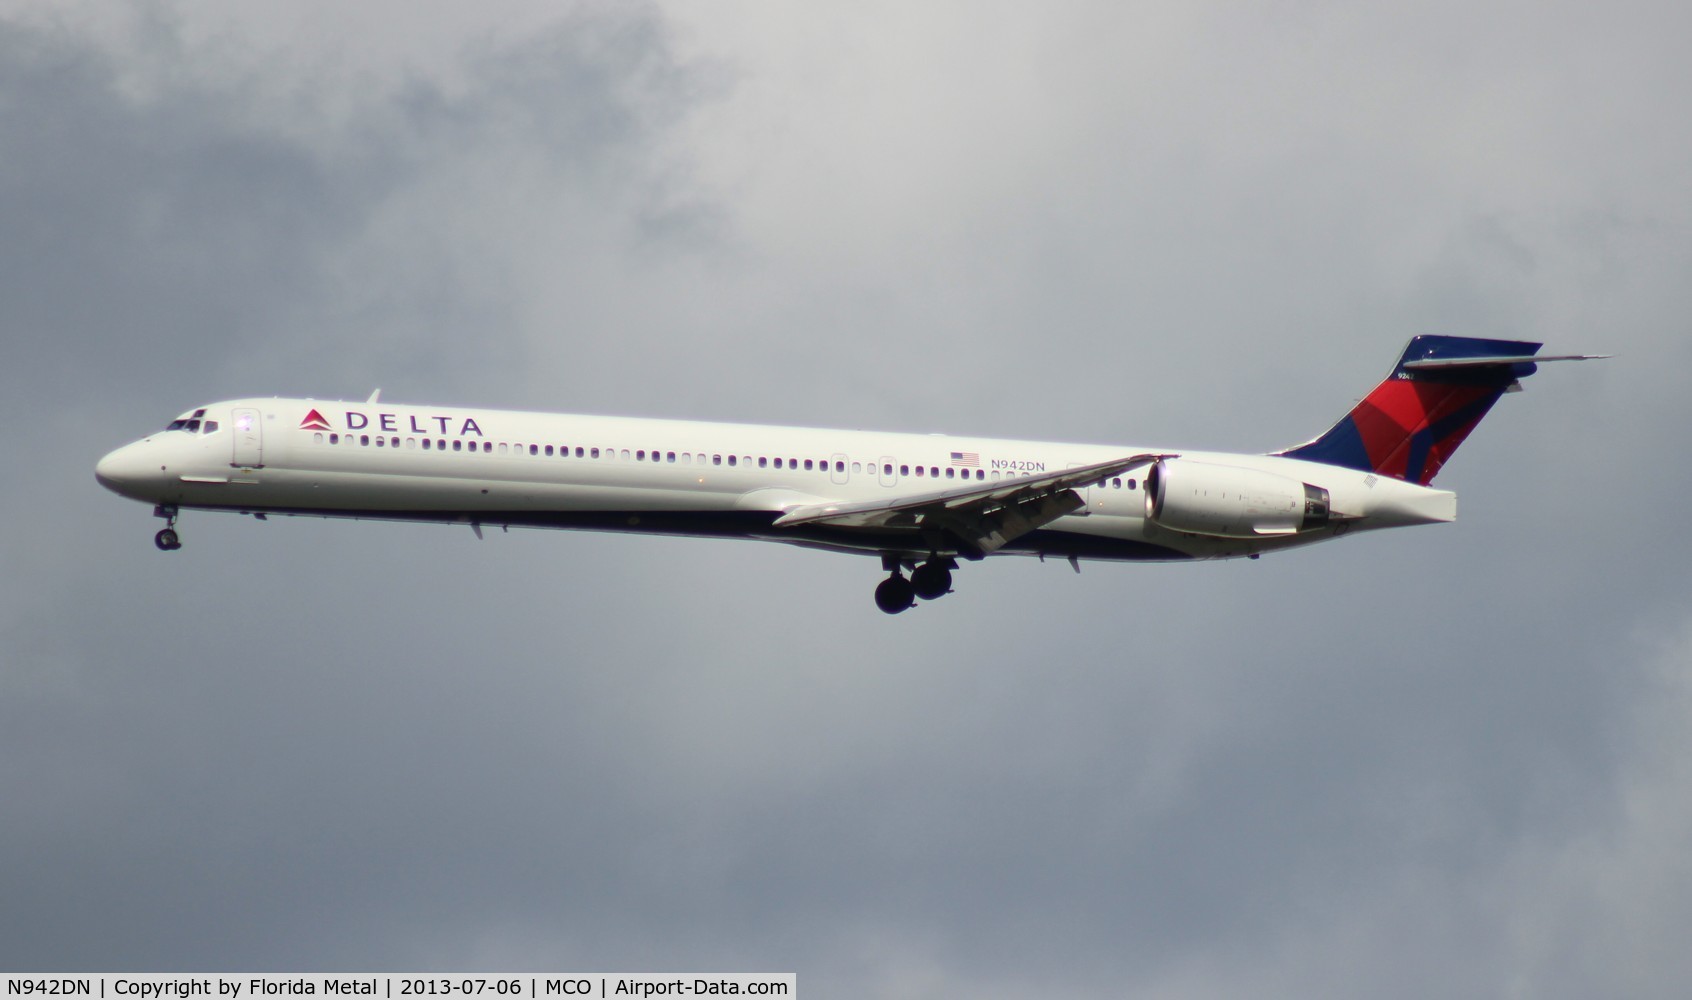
point(167, 539)
point(931, 580)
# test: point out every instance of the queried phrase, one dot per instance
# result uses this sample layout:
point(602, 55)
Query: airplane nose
point(127, 470)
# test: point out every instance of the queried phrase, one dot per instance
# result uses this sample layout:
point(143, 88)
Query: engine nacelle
point(1228, 502)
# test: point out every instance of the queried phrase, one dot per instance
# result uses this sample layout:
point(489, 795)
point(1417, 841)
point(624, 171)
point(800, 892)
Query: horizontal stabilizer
point(1430, 364)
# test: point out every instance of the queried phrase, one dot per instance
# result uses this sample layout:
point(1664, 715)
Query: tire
point(931, 580)
point(894, 595)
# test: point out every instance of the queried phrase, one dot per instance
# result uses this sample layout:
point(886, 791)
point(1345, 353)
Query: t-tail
point(1412, 423)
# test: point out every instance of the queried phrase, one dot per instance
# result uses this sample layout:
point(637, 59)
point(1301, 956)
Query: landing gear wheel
point(932, 579)
point(894, 594)
point(166, 540)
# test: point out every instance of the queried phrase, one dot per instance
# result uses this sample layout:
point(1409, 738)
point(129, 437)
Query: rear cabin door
point(1085, 490)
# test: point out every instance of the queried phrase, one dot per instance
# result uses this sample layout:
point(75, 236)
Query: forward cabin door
point(249, 440)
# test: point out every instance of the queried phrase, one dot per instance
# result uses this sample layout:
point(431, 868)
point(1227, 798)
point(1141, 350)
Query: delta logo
point(391, 423)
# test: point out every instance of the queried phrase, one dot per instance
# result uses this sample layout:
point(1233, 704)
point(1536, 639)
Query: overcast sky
point(1453, 761)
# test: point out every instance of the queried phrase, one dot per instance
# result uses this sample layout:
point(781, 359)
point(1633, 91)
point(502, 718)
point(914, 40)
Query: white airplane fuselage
point(505, 468)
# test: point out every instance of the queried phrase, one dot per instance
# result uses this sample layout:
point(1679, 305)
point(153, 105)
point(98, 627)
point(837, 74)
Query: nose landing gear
point(929, 581)
point(167, 540)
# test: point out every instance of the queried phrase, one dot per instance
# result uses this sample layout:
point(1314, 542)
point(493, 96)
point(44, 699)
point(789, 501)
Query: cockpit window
point(209, 427)
point(191, 422)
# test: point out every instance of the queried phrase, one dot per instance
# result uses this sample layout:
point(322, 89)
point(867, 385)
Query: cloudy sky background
point(1450, 761)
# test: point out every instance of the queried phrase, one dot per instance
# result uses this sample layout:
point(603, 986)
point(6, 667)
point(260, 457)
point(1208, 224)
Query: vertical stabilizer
point(1412, 423)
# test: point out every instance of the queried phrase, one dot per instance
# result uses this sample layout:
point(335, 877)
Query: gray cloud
point(1448, 760)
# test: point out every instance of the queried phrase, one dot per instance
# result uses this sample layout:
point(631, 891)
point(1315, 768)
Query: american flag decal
point(967, 459)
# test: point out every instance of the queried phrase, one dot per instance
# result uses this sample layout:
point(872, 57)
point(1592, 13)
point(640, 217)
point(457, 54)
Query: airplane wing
point(986, 516)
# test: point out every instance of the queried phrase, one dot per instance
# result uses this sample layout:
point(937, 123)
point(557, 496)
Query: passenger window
point(807, 465)
point(579, 452)
point(1132, 485)
point(887, 470)
point(778, 463)
point(904, 470)
point(426, 444)
point(381, 442)
point(951, 474)
point(716, 460)
point(857, 467)
point(920, 471)
point(763, 463)
point(458, 446)
point(669, 456)
point(502, 448)
point(731, 461)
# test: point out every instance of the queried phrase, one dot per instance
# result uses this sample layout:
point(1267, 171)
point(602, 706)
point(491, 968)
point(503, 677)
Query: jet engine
point(1227, 502)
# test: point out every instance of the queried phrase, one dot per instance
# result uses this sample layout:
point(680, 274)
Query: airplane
point(920, 502)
